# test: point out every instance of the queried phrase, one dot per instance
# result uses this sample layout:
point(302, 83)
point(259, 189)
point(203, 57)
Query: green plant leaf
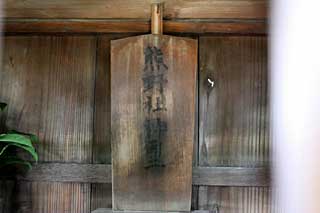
point(33, 138)
point(20, 141)
point(14, 160)
point(31, 150)
point(16, 138)
point(4, 149)
point(2, 106)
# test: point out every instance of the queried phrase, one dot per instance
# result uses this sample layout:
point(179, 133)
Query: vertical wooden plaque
point(153, 81)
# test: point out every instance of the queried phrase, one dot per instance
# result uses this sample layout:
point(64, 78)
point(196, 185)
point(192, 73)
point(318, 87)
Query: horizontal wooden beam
point(133, 26)
point(114, 9)
point(230, 176)
point(65, 172)
point(101, 173)
point(104, 210)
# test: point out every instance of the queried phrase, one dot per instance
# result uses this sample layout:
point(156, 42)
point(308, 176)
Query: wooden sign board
point(153, 81)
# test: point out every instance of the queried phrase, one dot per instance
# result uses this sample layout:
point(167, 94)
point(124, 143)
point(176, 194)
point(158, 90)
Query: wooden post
point(157, 19)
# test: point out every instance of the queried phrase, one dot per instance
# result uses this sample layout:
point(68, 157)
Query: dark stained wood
point(6, 195)
point(101, 174)
point(101, 195)
point(245, 9)
point(134, 26)
point(102, 123)
point(76, 26)
point(48, 82)
point(165, 187)
point(216, 26)
point(234, 118)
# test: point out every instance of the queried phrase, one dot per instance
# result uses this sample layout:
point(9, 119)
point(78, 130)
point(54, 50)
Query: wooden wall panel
point(234, 120)
point(237, 200)
point(40, 71)
point(34, 197)
point(48, 82)
point(101, 194)
point(234, 123)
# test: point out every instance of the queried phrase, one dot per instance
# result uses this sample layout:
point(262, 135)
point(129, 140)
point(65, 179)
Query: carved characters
point(154, 104)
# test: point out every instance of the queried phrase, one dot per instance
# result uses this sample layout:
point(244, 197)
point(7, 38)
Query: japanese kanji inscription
point(152, 119)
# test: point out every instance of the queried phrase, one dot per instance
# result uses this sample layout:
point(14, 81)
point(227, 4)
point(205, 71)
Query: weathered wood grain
point(247, 9)
point(234, 118)
point(48, 82)
point(164, 182)
point(69, 172)
point(101, 174)
point(52, 197)
point(231, 176)
point(234, 122)
point(133, 26)
point(238, 199)
point(101, 190)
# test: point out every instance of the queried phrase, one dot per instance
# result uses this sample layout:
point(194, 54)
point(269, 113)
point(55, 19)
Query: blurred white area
point(295, 102)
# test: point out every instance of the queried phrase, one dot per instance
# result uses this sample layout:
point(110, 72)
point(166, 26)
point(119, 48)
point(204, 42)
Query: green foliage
point(11, 141)
point(2, 106)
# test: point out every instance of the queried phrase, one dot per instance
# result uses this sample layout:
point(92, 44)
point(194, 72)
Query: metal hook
point(211, 82)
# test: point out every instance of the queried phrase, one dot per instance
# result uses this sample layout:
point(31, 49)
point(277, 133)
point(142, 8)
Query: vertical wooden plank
point(140, 181)
point(234, 122)
point(101, 194)
point(102, 103)
point(48, 82)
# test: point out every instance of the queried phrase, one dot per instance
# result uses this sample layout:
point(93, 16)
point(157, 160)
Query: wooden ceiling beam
point(133, 26)
point(138, 9)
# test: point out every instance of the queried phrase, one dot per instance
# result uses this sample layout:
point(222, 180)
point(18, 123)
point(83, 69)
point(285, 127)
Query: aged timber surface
point(101, 174)
point(153, 108)
point(134, 26)
point(234, 122)
point(48, 82)
point(174, 9)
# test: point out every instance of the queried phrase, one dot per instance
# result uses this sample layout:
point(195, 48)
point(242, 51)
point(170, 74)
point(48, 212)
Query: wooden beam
point(101, 173)
point(104, 210)
point(65, 172)
point(97, 9)
point(133, 26)
point(230, 176)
